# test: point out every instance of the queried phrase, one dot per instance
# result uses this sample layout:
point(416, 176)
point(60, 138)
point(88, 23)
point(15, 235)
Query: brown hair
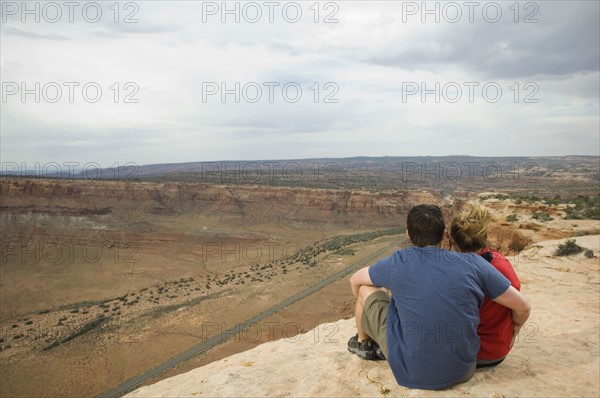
point(469, 228)
point(425, 225)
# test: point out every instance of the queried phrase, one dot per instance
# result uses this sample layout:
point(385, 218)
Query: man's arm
point(514, 300)
point(360, 278)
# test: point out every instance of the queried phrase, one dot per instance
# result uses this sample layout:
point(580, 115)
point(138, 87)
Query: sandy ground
point(557, 353)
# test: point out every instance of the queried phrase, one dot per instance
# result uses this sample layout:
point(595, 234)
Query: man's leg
point(363, 293)
point(372, 305)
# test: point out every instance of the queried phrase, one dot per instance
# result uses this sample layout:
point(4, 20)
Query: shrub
point(568, 248)
point(589, 253)
point(345, 252)
point(553, 201)
point(584, 207)
point(86, 328)
point(511, 218)
point(528, 198)
point(541, 216)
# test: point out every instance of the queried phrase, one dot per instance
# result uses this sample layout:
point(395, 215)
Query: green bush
point(345, 252)
point(499, 196)
point(584, 207)
point(553, 201)
point(541, 216)
point(568, 248)
point(511, 218)
point(528, 198)
point(589, 253)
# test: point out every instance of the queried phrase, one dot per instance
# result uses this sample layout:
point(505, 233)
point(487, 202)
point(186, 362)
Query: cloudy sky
point(161, 82)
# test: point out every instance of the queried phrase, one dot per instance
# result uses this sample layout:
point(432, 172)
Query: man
point(427, 330)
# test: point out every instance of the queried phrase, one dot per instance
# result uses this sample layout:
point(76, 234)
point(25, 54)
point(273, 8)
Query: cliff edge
point(557, 353)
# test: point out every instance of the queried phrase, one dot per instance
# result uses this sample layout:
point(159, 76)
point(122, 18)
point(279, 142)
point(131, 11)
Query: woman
point(496, 329)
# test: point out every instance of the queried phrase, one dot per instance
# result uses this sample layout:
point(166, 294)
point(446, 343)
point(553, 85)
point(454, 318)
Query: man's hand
point(516, 330)
point(514, 300)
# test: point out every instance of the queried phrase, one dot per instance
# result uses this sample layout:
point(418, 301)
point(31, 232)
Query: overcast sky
point(335, 79)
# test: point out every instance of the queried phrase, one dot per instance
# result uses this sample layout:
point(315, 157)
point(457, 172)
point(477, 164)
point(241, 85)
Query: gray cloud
point(565, 41)
point(109, 29)
point(28, 34)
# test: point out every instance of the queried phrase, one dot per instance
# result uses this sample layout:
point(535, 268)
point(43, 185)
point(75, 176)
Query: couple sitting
point(438, 305)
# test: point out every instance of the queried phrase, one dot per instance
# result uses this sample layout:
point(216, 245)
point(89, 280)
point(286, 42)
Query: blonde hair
point(470, 227)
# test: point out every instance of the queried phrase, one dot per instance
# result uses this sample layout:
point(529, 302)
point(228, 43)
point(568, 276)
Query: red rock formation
point(259, 203)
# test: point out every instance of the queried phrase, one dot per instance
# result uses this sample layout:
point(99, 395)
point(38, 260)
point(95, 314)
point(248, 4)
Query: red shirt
point(496, 324)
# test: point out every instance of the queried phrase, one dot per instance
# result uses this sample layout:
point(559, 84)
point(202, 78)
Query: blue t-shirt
point(434, 312)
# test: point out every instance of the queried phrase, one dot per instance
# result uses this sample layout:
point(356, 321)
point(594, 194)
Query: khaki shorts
point(374, 318)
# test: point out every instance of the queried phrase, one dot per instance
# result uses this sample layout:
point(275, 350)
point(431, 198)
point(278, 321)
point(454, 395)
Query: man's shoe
point(365, 350)
point(378, 351)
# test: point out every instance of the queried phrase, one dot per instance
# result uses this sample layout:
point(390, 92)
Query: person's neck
point(439, 246)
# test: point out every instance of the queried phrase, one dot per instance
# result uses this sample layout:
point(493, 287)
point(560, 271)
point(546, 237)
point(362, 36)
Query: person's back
point(496, 325)
point(434, 313)
point(496, 329)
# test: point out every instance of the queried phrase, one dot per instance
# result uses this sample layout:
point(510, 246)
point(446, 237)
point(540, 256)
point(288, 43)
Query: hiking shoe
point(378, 351)
point(365, 350)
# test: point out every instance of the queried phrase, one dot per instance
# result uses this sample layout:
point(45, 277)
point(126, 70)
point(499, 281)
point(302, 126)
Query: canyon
point(100, 280)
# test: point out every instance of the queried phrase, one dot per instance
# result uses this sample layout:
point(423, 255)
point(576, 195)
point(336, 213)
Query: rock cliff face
point(257, 203)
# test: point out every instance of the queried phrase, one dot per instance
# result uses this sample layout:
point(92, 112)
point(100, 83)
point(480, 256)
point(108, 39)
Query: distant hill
point(449, 174)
